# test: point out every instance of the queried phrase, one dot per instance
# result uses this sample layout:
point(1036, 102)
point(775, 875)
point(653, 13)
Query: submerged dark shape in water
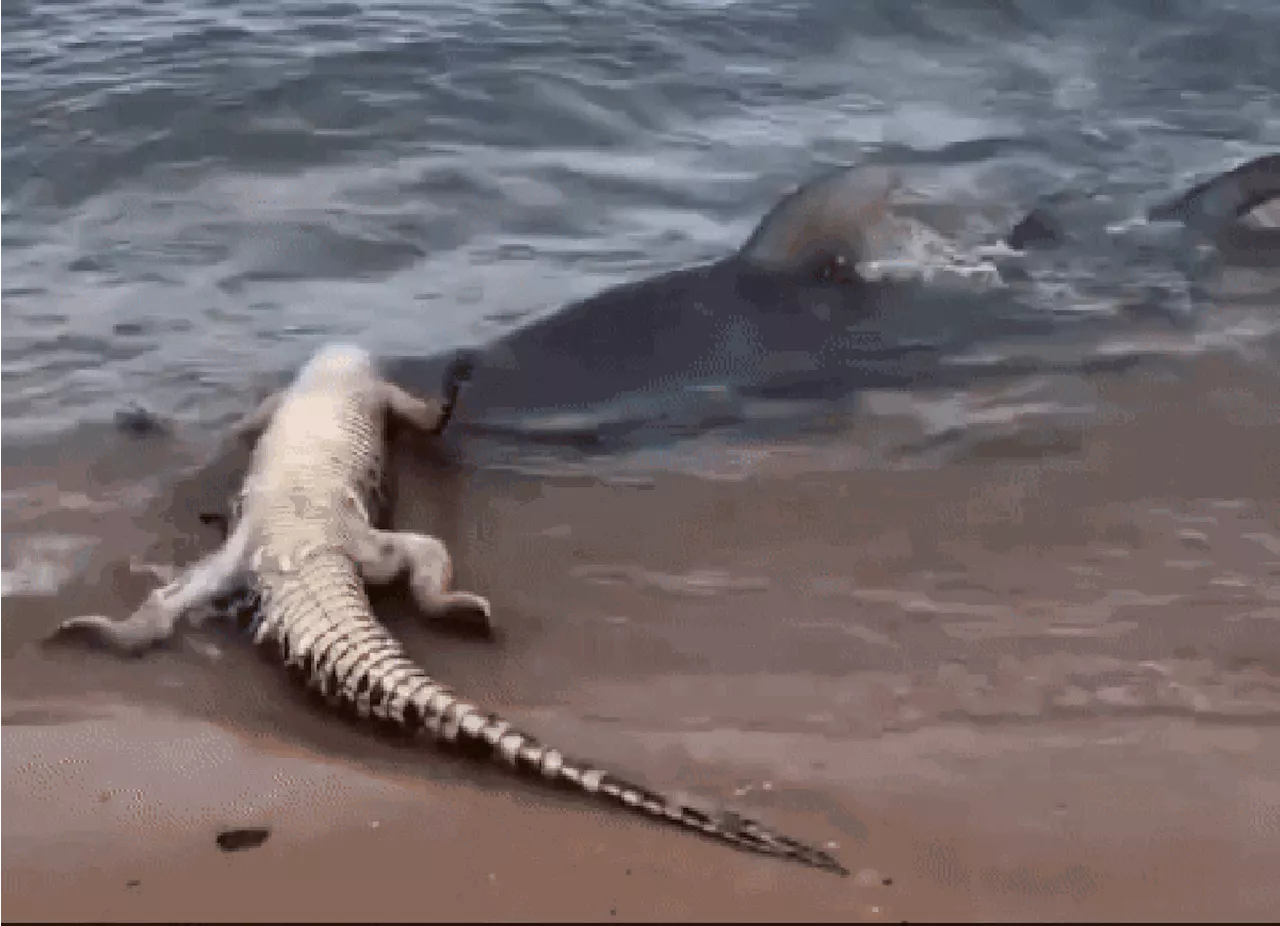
point(137, 421)
point(786, 316)
point(1038, 228)
point(1223, 199)
point(1218, 208)
point(1239, 211)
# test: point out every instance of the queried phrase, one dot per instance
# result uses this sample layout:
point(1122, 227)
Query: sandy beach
point(114, 819)
point(1027, 686)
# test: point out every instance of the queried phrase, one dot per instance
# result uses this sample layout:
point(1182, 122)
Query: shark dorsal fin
point(832, 219)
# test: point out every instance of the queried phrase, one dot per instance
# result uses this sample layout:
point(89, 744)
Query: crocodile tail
point(359, 666)
point(425, 704)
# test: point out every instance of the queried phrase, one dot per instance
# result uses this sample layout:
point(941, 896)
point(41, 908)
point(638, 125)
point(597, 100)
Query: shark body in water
point(788, 314)
point(778, 317)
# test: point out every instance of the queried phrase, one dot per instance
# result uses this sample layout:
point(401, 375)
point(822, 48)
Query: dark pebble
point(237, 840)
point(132, 882)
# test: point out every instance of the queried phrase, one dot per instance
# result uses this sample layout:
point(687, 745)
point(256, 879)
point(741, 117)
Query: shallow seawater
point(196, 196)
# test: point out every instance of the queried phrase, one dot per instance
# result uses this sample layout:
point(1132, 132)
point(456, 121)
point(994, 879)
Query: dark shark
point(786, 316)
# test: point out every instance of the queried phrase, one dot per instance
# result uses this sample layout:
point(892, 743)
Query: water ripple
point(186, 172)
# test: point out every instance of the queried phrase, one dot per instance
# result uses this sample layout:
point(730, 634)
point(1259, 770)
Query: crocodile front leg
point(250, 426)
point(385, 555)
point(428, 415)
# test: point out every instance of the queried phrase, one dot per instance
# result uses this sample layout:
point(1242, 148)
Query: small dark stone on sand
point(132, 882)
point(887, 882)
point(1196, 540)
point(237, 840)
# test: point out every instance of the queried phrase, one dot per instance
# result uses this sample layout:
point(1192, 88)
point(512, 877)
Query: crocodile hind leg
point(386, 555)
point(163, 572)
point(194, 588)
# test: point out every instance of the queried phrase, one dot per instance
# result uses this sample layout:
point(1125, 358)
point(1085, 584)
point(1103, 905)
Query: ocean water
point(197, 194)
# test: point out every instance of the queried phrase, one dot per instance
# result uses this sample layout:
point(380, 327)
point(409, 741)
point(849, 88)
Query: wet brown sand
point(1023, 685)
